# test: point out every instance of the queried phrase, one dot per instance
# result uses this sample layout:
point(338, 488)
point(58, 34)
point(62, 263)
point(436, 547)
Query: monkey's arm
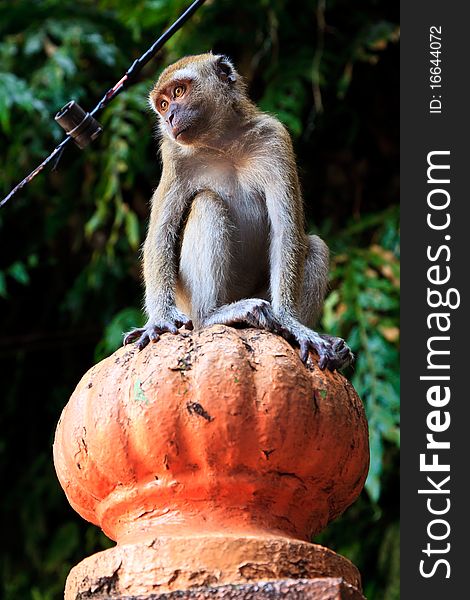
point(287, 256)
point(169, 205)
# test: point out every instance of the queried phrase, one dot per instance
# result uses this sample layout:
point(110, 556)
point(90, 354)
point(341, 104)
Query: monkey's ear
point(225, 69)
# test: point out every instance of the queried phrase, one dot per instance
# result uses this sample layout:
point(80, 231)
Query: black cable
point(125, 81)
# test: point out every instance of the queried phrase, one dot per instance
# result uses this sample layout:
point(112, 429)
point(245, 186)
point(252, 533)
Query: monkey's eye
point(163, 105)
point(179, 91)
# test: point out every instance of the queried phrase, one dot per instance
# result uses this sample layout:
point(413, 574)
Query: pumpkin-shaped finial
point(218, 432)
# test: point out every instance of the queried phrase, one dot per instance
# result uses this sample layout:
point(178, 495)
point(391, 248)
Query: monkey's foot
point(253, 312)
point(333, 352)
point(153, 329)
point(343, 356)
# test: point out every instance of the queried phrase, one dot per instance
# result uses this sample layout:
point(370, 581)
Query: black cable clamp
point(78, 124)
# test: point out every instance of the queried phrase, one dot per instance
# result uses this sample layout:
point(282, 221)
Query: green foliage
point(14, 93)
point(364, 308)
point(118, 168)
point(122, 322)
point(69, 263)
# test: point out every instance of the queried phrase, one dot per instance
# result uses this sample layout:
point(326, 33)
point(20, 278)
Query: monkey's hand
point(333, 352)
point(152, 330)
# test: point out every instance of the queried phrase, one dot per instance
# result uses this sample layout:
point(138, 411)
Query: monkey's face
point(190, 95)
point(180, 115)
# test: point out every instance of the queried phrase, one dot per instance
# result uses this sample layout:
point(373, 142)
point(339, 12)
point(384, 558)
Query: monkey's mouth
point(179, 131)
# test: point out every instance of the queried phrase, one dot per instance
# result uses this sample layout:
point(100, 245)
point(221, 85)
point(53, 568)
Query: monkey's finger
point(341, 359)
point(339, 345)
point(132, 336)
point(128, 338)
point(324, 360)
point(167, 326)
point(304, 347)
point(143, 341)
point(187, 323)
point(345, 358)
point(345, 353)
point(153, 335)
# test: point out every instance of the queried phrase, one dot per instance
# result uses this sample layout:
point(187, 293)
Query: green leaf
point(18, 271)
point(376, 451)
point(329, 315)
point(121, 323)
point(132, 229)
point(34, 43)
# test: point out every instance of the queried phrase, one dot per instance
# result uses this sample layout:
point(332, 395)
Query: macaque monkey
point(226, 241)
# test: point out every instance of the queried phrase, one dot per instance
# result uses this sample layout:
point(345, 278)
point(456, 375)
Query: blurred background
point(69, 242)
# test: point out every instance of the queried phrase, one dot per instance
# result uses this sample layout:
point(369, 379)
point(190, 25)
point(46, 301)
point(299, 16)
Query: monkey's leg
point(334, 352)
point(315, 284)
point(205, 258)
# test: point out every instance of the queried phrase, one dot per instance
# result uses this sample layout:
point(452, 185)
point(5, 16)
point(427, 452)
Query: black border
point(421, 133)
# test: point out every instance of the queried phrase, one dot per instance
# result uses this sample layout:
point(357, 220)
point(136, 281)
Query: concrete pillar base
point(215, 567)
point(328, 588)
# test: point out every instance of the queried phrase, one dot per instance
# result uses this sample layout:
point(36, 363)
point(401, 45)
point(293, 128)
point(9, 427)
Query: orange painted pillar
point(211, 458)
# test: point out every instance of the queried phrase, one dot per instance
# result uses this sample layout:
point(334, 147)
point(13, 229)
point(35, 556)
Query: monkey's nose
point(171, 117)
